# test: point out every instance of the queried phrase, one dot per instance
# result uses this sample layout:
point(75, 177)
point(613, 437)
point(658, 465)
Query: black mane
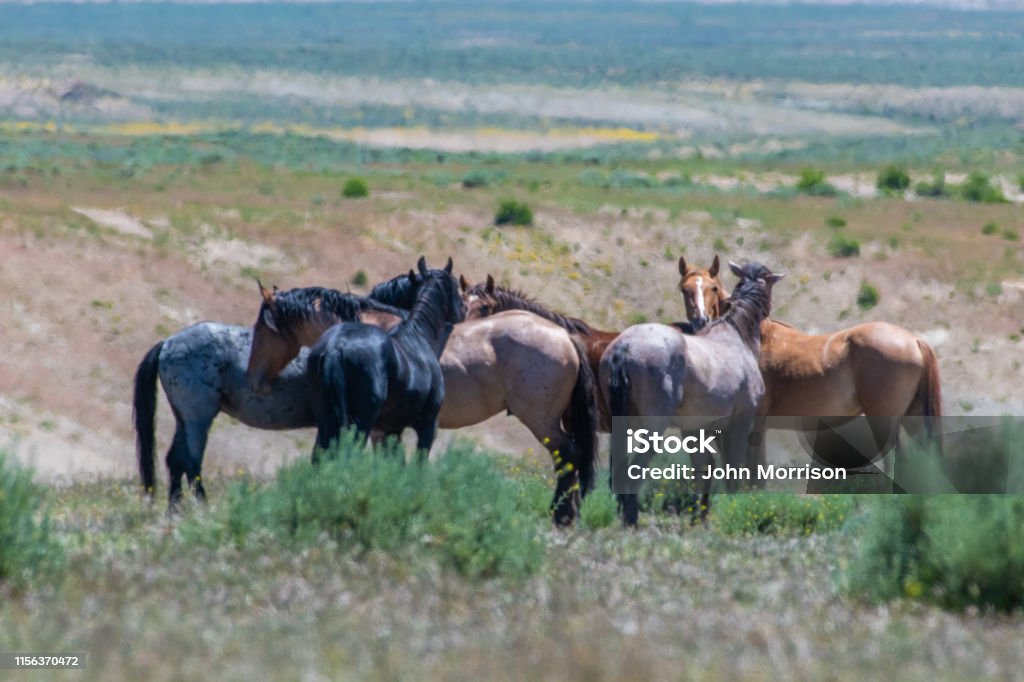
point(750, 304)
point(514, 299)
point(299, 305)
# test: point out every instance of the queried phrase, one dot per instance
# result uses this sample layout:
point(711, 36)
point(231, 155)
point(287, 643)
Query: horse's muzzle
point(699, 323)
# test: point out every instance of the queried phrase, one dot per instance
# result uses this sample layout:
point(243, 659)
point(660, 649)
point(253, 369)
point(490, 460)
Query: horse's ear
point(268, 296)
point(773, 277)
point(448, 267)
point(713, 270)
point(490, 284)
point(463, 284)
point(268, 319)
point(421, 265)
point(737, 270)
point(682, 266)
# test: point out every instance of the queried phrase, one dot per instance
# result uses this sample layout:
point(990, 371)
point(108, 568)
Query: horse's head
point(399, 291)
point(273, 345)
point(703, 294)
point(756, 282)
point(454, 308)
point(479, 298)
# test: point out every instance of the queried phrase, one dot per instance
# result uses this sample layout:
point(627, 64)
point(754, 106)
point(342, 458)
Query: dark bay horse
point(874, 369)
point(487, 298)
point(372, 379)
point(202, 369)
point(513, 361)
point(651, 370)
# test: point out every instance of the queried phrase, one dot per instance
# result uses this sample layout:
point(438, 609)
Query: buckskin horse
point(514, 362)
point(487, 298)
point(202, 369)
point(651, 370)
point(874, 369)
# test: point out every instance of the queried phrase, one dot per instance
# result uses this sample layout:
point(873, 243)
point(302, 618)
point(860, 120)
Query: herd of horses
point(426, 351)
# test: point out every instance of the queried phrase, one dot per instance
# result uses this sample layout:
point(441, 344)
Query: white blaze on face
point(700, 297)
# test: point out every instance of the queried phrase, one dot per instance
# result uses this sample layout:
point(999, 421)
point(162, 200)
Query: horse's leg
point(185, 458)
point(176, 456)
point(426, 432)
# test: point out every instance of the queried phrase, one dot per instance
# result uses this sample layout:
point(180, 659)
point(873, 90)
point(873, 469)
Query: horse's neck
point(427, 322)
point(312, 328)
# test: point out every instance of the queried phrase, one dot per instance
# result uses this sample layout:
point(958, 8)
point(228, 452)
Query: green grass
point(28, 549)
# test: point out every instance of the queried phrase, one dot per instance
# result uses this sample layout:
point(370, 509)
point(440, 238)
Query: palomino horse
point(514, 362)
point(875, 368)
point(487, 298)
point(369, 378)
point(202, 369)
point(651, 370)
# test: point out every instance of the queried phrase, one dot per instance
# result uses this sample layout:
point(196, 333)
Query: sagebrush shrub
point(512, 212)
point(26, 546)
point(460, 509)
point(955, 551)
point(355, 188)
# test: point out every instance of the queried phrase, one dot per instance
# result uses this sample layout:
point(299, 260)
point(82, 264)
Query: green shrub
point(979, 188)
point(599, 509)
point(843, 246)
point(868, 296)
point(593, 177)
point(1020, 182)
point(993, 288)
point(779, 513)
point(512, 212)
point(355, 188)
point(893, 179)
point(955, 551)
point(26, 545)
point(990, 227)
point(631, 179)
point(812, 181)
point(935, 189)
point(359, 279)
point(476, 178)
point(460, 510)
point(835, 222)
point(1010, 234)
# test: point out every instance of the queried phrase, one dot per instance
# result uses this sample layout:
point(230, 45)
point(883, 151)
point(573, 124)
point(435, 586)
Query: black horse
point(372, 379)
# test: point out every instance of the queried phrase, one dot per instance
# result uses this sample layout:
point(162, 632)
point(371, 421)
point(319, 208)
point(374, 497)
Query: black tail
point(618, 404)
point(580, 419)
point(333, 417)
point(144, 415)
point(618, 384)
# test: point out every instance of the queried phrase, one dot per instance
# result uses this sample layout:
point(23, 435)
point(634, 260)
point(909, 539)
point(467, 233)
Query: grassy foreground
point(246, 588)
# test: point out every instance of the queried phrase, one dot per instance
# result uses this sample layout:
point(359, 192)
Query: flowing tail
point(580, 419)
point(929, 391)
point(144, 415)
point(330, 386)
point(618, 403)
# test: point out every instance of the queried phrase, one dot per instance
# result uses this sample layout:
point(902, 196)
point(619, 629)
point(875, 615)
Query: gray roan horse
point(203, 371)
point(651, 370)
point(514, 362)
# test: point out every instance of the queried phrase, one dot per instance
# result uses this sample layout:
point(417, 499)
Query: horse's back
point(505, 361)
